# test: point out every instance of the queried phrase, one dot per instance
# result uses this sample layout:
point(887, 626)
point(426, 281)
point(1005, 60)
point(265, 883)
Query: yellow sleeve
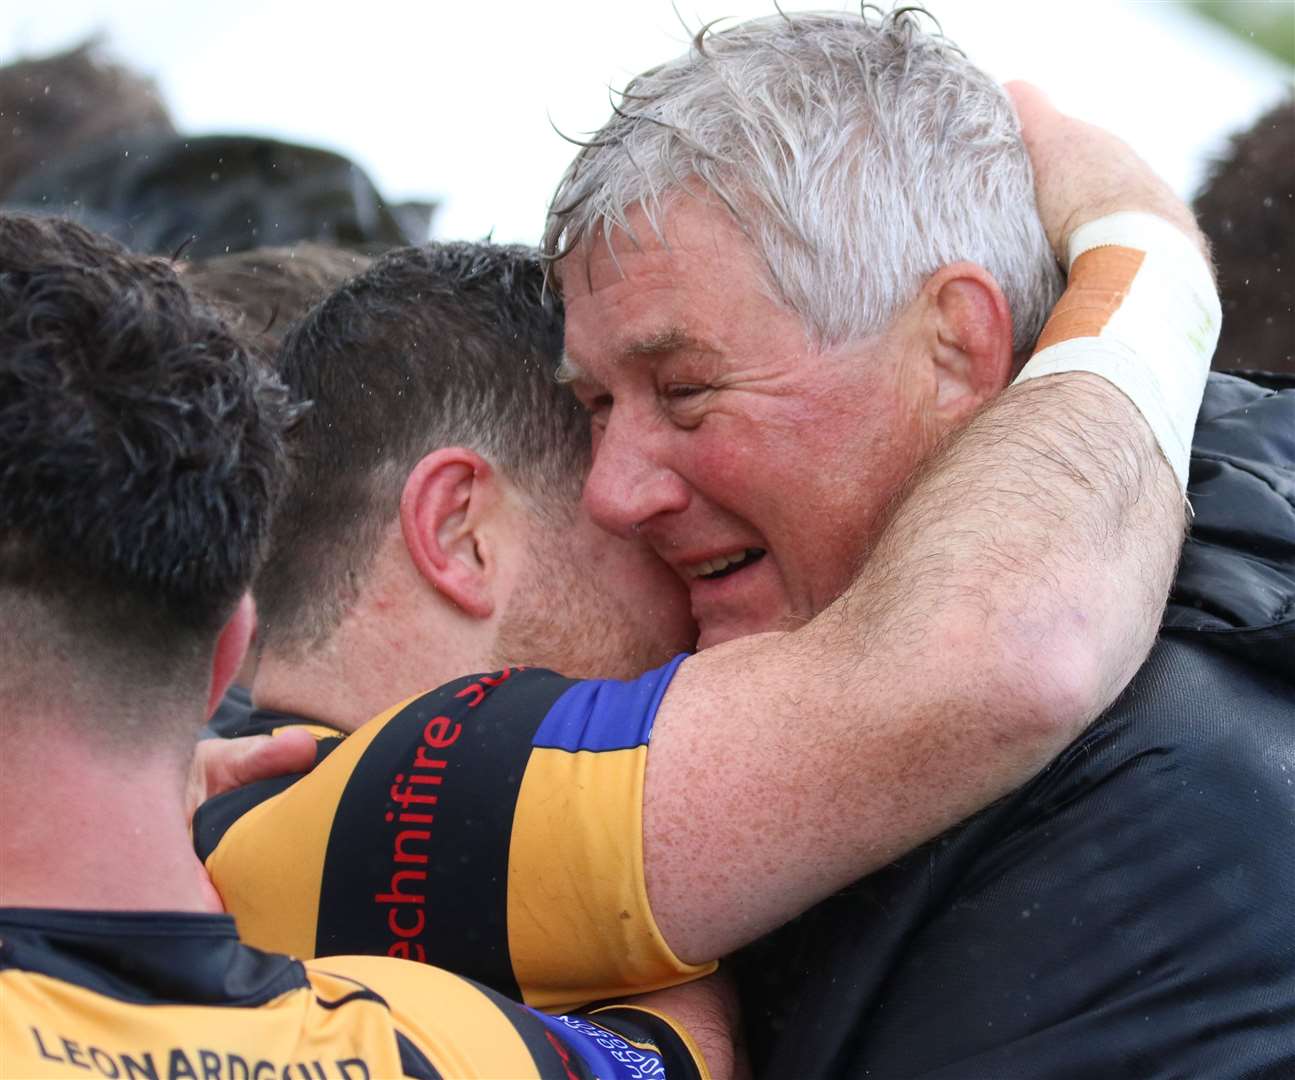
point(580, 927)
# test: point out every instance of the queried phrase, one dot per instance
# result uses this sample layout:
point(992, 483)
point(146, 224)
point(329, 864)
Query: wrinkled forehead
point(689, 273)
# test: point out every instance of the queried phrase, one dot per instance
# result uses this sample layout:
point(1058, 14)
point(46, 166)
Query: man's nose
point(630, 484)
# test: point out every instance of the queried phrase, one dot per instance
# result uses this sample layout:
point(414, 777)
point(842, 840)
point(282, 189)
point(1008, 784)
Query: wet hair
point(1247, 209)
point(141, 455)
point(263, 292)
point(51, 105)
point(858, 153)
point(433, 346)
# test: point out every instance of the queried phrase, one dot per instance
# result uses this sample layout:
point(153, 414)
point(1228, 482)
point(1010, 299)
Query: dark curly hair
point(441, 345)
point(141, 448)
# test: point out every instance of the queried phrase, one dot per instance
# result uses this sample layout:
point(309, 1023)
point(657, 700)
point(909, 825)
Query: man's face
point(756, 465)
point(590, 604)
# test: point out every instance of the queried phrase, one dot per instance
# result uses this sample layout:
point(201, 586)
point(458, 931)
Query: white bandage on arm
point(1142, 312)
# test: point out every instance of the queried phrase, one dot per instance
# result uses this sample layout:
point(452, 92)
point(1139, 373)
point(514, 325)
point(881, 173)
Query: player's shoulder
point(450, 1025)
point(516, 692)
point(567, 714)
point(213, 819)
point(444, 1024)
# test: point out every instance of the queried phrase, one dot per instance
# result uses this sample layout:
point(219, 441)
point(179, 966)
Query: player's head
point(1247, 209)
point(442, 463)
point(794, 258)
point(140, 458)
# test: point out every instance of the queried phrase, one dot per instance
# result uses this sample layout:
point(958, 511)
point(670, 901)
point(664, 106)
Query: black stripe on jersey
point(554, 1060)
point(354, 995)
point(417, 859)
point(413, 1062)
point(636, 1026)
point(147, 958)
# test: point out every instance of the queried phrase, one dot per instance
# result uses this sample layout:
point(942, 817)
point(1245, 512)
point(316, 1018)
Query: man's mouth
point(722, 565)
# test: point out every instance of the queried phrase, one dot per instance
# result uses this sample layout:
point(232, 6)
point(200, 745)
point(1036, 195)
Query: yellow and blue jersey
point(492, 827)
point(170, 996)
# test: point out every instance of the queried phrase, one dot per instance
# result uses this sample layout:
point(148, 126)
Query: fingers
point(1083, 173)
point(1032, 104)
point(225, 764)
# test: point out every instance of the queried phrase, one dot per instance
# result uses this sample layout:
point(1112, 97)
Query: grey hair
point(858, 153)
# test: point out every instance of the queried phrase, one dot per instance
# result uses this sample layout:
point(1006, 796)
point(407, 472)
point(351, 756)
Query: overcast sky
point(454, 100)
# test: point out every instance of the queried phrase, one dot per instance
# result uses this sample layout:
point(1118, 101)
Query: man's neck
point(381, 654)
point(90, 828)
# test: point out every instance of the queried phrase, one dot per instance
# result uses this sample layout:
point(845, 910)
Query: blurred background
point(456, 104)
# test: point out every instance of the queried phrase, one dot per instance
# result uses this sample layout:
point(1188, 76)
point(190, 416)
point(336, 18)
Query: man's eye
point(679, 391)
point(599, 407)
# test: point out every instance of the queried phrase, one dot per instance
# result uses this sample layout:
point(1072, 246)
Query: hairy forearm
point(707, 1011)
point(1043, 539)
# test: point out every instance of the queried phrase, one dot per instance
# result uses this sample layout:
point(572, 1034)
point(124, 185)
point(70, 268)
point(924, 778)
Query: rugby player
point(781, 767)
point(141, 452)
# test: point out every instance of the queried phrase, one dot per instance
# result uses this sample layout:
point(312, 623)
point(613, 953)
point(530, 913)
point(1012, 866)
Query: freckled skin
point(735, 432)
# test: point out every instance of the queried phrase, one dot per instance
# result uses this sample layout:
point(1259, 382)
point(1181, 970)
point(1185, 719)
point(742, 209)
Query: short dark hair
point(141, 451)
point(1247, 209)
point(439, 345)
point(55, 104)
point(262, 293)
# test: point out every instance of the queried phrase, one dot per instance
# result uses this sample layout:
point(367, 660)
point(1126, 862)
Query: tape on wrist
point(1141, 311)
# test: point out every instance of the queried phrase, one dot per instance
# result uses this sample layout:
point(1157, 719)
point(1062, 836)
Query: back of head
point(140, 457)
point(859, 154)
point(434, 346)
point(263, 292)
point(56, 104)
point(1247, 209)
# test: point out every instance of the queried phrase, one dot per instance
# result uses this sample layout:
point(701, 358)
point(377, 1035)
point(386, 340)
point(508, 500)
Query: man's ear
point(231, 647)
point(971, 346)
point(447, 498)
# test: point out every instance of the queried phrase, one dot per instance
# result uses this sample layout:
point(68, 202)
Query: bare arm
point(1012, 596)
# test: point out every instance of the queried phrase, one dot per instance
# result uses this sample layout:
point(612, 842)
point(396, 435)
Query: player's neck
point(86, 828)
point(384, 651)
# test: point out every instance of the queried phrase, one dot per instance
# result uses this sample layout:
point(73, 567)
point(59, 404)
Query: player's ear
point(970, 341)
point(231, 647)
point(448, 497)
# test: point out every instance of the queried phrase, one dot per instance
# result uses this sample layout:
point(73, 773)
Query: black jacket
point(1130, 912)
